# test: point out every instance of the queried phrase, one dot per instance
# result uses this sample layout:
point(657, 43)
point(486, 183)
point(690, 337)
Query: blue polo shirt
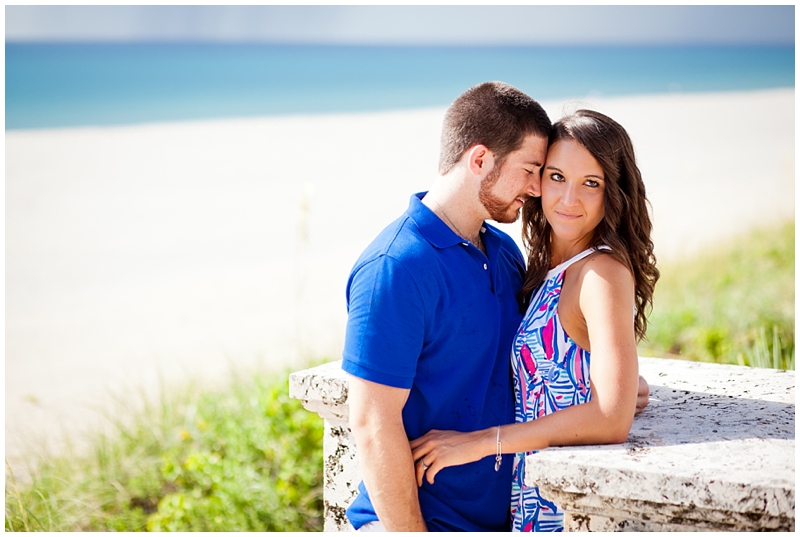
point(430, 312)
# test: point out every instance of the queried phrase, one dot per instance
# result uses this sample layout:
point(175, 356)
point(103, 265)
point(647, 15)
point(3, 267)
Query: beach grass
point(733, 303)
point(243, 458)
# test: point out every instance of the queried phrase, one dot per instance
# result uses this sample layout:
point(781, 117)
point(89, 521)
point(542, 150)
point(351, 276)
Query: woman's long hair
point(626, 223)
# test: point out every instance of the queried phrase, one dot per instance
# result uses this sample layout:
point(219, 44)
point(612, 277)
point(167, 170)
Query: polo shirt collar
point(431, 226)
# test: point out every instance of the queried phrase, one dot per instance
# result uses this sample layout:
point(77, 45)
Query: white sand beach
point(135, 253)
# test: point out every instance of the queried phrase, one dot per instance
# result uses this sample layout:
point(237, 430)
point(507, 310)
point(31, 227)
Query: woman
point(590, 278)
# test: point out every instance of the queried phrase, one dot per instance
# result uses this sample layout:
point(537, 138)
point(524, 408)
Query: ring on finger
point(424, 466)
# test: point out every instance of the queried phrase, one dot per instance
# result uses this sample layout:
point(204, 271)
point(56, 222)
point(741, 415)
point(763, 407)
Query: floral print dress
point(551, 372)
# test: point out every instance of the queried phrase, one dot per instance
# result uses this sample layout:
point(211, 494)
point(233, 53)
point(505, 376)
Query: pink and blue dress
point(551, 372)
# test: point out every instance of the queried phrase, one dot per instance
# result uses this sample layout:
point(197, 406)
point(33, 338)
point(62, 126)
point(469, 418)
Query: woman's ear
point(480, 160)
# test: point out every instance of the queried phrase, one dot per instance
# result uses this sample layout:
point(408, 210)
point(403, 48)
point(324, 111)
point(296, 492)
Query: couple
point(440, 300)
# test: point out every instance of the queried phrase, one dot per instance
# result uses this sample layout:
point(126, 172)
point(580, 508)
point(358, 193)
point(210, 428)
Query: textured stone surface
point(323, 390)
point(342, 474)
point(713, 450)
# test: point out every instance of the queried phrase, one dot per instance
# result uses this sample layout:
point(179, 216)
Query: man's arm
point(384, 454)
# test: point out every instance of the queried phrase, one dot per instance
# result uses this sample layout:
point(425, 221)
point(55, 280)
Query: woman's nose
point(569, 195)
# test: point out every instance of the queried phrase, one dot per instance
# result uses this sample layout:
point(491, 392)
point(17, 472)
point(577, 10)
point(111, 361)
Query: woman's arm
point(606, 302)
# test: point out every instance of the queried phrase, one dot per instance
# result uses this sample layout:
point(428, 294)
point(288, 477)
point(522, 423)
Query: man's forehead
point(535, 140)
point(533, 150)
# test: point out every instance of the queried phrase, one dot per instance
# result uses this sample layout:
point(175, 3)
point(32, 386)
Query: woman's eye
point(592, 183)
point(557, 177)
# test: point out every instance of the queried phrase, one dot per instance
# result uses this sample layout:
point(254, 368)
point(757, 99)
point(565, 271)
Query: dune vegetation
point(246, 458)
point(733, 303)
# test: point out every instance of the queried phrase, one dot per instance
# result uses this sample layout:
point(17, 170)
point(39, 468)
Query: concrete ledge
point(323, 390)
point(713, 451)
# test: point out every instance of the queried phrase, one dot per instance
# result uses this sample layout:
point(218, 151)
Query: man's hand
point(642, 395)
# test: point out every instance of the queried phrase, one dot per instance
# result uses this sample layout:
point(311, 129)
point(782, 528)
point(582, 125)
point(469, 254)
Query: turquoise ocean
point(75, 84)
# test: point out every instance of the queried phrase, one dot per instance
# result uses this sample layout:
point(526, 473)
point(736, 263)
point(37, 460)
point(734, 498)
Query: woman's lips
point(567, 215)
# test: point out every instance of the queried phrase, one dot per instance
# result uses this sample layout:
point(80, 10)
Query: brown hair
point(494, 114)
point(626, 224)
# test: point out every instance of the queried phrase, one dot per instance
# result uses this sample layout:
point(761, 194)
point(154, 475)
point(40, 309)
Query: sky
point(407, 25)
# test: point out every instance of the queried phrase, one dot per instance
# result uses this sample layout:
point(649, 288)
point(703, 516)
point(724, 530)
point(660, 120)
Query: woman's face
point(573, 186)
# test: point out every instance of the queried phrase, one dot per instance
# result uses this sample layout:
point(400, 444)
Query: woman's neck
point(562, 250)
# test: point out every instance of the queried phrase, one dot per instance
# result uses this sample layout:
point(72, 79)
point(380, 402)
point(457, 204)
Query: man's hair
point(493, 114)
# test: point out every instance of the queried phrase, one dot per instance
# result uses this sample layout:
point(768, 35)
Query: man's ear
point(480, 160)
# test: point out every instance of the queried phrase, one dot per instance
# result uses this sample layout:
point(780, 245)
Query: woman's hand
point(439, 449)
point(642, 395)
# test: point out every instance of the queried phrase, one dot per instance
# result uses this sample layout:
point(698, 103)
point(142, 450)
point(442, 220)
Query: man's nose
point(535, 185)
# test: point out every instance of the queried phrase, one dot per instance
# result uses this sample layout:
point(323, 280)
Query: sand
point(174, 251)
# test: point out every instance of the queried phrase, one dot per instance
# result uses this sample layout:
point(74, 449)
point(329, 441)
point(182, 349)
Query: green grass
point(733, 304)
point(247, 458)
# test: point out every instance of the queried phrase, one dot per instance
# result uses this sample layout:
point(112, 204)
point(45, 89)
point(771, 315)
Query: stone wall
point(323, 389)
point(714, 450)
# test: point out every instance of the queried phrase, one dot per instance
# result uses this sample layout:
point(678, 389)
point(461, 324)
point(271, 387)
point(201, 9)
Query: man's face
point(505, 189)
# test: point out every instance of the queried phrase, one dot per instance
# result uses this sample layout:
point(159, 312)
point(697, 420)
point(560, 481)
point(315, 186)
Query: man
point(432, 311)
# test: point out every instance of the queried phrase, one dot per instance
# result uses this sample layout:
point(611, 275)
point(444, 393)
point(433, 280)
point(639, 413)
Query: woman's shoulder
point(605, 266)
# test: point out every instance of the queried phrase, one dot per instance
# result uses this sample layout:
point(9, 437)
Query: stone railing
point(714, 450)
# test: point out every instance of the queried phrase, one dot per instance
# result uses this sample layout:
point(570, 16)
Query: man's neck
point(457, 207)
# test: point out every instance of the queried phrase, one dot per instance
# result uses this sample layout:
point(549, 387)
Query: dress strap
point(574, 259)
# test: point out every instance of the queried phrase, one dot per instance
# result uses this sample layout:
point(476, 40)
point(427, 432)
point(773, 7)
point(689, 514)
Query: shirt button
point(464, 244)
point(485, 266)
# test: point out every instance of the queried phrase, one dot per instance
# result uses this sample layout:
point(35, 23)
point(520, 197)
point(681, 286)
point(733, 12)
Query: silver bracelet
point(498, 459)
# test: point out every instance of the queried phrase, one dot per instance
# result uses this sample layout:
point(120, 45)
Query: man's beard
point(499, 210)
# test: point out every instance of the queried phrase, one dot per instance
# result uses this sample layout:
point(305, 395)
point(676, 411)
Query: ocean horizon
point(52, 85)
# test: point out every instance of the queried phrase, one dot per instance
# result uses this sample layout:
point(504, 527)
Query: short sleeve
point(385, 323)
